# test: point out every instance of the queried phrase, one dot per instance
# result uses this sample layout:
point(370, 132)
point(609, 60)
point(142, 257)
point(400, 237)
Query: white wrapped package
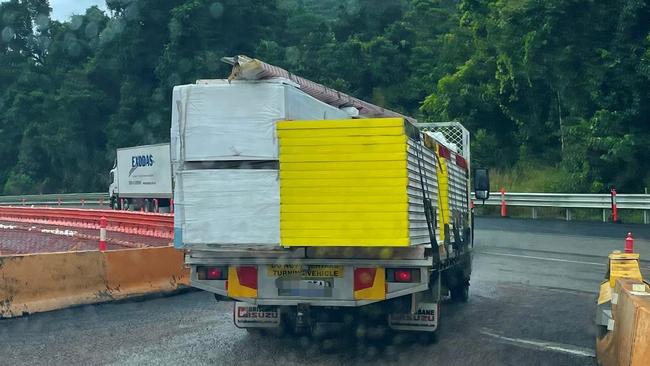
point(216, 121)
point(227, 206)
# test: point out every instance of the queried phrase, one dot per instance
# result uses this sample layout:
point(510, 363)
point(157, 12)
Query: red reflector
point(247, 276)
point(213, 273)
point(444, 152)
point(403, 275)
point(364, 278)
point(461, 162)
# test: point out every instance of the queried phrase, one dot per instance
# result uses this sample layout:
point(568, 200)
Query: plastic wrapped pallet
point(216, 121)
point(356, 183)
point(227, 206)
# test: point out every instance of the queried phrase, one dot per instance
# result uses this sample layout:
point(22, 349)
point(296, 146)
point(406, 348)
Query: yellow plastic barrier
point(623, 313)
point(42, 282)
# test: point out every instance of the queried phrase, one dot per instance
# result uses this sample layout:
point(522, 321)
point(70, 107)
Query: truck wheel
point(460, 293)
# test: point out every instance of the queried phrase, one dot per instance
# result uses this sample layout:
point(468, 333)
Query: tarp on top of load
point(215, 120)
point(246, 68)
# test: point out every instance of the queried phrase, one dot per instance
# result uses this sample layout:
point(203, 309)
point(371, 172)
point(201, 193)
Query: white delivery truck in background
point(142, 179)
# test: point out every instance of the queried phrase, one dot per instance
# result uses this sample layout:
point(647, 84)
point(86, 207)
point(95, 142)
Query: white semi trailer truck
point(306, 217)
point(141, 178)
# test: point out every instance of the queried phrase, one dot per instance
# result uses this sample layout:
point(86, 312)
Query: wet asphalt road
point(532, 302)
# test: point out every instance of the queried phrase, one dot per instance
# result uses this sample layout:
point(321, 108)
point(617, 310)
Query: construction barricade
point(42, 282)
point(623, 312)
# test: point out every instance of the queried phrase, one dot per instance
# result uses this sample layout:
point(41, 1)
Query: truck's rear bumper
point(286, 280)
point(310, 301)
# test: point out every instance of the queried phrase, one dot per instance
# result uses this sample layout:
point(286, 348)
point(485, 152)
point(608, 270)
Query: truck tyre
point(460, 293)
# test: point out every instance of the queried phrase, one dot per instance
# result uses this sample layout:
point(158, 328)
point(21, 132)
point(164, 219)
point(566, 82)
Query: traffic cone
point(629, 243)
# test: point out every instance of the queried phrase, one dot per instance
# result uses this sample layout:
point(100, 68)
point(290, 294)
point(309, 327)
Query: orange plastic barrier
point(141, 271)
point(629, 342)
point(42, 282)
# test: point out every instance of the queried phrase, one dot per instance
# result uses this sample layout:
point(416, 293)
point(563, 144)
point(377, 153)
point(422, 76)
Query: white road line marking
point(542, 345)
point(542, 258)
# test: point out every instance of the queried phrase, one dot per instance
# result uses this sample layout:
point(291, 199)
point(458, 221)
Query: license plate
point(305, 287)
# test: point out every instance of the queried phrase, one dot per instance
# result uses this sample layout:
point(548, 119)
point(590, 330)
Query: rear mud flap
point(251, 316)
point(424, 319)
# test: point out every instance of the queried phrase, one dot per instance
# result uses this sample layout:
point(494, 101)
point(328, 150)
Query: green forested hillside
point(562, 86)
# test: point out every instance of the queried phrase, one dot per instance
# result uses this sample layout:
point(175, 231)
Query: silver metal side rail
point(89, 200)
point(570, 201)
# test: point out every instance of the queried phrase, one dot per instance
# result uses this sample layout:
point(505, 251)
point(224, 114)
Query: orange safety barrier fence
point(137, 223)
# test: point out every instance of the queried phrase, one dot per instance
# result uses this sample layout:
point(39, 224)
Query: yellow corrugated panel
point(343, 183)
point(340, 123)
point(343, 216)
point(315, 192)
point(368, 225)
point(344, 174)
point(344, 207)
point(352, 183)
point(366, 242)
point(344, 233)
point(443, 197)
point(346, 140)
point(343, 149)
point(343, 165)
point(341, 132)
point(304, 158)
point(290, 199)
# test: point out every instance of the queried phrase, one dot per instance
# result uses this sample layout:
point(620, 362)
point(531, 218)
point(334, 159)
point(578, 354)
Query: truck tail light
point(403, 275)
point(364, 278)
point(212, 273)
point(247, 276)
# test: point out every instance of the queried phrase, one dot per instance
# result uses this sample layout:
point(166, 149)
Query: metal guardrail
point(570, 201)
point(565, 201)
point(89, 200)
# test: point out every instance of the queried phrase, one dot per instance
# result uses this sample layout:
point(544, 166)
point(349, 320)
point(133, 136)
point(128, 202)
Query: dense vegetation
point(556, 86)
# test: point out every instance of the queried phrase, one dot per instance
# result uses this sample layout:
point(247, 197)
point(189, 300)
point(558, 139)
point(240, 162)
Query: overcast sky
point(63, 9)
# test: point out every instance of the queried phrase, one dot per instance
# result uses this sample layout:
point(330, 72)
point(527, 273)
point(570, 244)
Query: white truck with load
point(142, 178)
point(308, 218)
